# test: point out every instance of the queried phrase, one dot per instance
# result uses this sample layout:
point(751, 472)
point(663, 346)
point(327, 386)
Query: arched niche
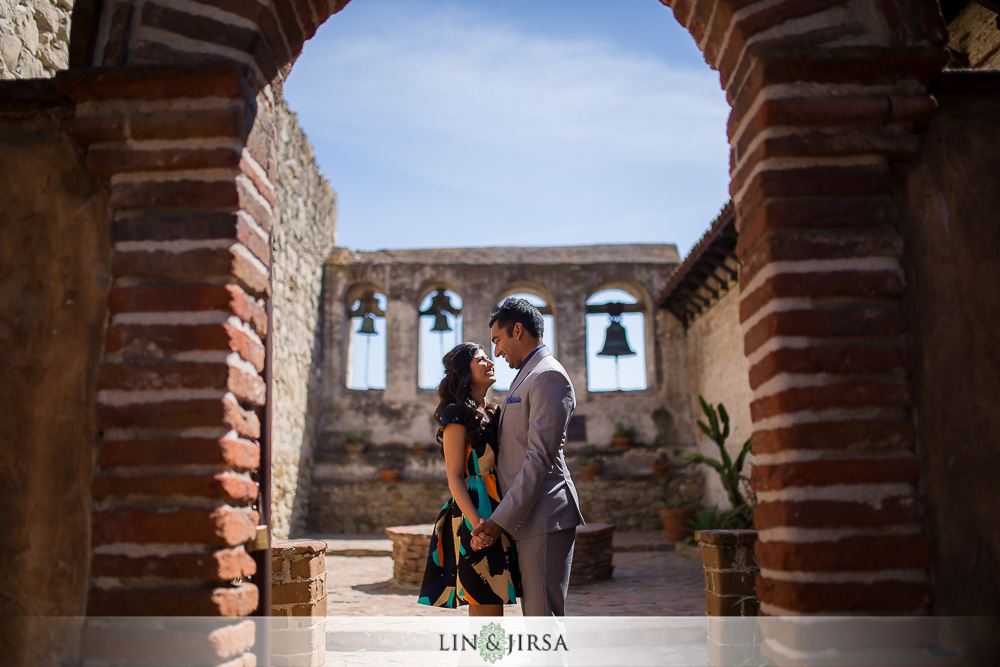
point(439, 328)
point(542, 299)
point(365, 360)
point(619, 337)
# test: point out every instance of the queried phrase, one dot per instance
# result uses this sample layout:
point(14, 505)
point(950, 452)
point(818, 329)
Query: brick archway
point(173, 106)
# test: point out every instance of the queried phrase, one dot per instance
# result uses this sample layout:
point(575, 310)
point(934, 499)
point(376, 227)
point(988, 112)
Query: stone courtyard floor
point(650, 579)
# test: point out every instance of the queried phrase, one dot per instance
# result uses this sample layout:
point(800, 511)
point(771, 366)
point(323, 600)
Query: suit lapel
point(522, 375)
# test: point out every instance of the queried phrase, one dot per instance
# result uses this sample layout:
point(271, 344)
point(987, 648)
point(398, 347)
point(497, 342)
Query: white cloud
point(473, 108)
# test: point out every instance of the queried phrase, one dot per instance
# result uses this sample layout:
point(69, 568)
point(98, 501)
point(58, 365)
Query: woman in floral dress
point(457, 575)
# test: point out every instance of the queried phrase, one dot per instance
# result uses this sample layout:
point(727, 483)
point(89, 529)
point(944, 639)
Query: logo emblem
point(492, 642)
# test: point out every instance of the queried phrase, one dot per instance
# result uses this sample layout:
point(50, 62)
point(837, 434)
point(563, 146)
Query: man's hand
point(485, 534)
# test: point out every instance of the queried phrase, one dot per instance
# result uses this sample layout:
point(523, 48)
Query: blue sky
point(450, 123)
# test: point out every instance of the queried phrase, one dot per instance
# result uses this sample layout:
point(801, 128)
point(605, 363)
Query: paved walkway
point(650, 579)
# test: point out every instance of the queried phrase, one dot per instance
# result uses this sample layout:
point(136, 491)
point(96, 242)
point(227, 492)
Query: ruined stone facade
point(563, 276)
point(392, 421)
point(840, 119)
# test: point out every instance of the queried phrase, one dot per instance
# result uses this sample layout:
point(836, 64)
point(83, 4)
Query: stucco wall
point(55, 263)
point(952, 235)
point(718, 370)
point(304, 233)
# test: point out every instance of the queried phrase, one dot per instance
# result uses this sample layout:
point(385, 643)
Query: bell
point(367, 325)
point(615, 342)
point(440, 322)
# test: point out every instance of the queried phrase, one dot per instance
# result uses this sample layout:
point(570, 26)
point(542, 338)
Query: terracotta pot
point(589, 472)
point(421, 449)
point(354, 447)
point(621, 443)
point(661, 469)
point(677, 522)
point(388, 475)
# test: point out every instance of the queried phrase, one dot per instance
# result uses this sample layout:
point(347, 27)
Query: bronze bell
point(367, 325)
point(615, 341)
point(440, 322)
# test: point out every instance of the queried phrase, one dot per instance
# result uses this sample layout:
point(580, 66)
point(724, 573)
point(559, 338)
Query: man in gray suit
point(539, 507)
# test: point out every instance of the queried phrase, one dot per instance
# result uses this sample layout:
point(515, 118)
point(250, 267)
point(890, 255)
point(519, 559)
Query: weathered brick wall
point(304, 233)
point(718, 370)
point(34, 38)
point(34, 42)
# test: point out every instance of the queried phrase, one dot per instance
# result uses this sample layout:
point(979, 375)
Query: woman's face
point(482, 370)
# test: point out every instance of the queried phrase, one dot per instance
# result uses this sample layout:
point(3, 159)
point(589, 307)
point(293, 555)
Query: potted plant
point(725, 537)
point(390, 472)
point(622, 437)
point(421, 448)
point(353, 444)
point(591, 467)
point(661, 466)
point(678, 518)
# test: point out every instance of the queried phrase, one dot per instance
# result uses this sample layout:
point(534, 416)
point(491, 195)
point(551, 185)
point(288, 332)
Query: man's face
point(507, 346)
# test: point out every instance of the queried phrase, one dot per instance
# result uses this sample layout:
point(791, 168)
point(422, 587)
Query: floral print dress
point(457, 575)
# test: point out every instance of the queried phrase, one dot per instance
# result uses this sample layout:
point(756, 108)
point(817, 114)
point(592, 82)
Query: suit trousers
point(545, 562)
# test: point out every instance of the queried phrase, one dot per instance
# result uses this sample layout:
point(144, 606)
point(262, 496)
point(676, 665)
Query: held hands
point(485, 534)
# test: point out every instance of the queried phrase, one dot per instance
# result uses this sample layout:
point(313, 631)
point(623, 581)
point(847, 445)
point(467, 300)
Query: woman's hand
point(482, 535)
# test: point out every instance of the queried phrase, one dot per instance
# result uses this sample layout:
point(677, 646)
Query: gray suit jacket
point(538, 495)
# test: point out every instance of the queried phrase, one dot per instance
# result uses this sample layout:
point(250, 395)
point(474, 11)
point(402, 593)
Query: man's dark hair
point(512, 311)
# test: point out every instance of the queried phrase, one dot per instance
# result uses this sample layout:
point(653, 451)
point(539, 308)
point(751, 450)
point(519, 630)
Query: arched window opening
point(503, 373)
point(366, 341)
point(440, 329)
point(616, 342)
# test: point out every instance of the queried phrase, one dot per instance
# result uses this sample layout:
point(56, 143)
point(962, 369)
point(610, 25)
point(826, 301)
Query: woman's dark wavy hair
point(455, 388)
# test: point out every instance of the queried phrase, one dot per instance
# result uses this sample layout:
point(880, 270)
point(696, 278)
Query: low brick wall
point(730, 571)
point(629, 502)
point(298, 603)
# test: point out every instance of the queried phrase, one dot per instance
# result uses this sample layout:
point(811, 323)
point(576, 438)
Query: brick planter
point(592, 554)
point(298, 603)
point(730, 571)
point(410, 545)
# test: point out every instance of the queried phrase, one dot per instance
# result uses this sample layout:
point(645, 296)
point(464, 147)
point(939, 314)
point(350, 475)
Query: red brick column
point(180, 384)
point(823, 103)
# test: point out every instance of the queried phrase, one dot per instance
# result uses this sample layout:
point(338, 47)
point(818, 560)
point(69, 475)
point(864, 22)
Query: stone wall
point(718, 370)
point(630, 502)
point(34, 38)
point(974, 37)
point(304, 233)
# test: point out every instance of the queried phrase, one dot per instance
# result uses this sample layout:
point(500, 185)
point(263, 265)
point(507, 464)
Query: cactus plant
point(717, 429)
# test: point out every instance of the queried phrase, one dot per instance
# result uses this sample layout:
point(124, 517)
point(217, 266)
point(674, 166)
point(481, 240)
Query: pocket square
point(513, 399)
